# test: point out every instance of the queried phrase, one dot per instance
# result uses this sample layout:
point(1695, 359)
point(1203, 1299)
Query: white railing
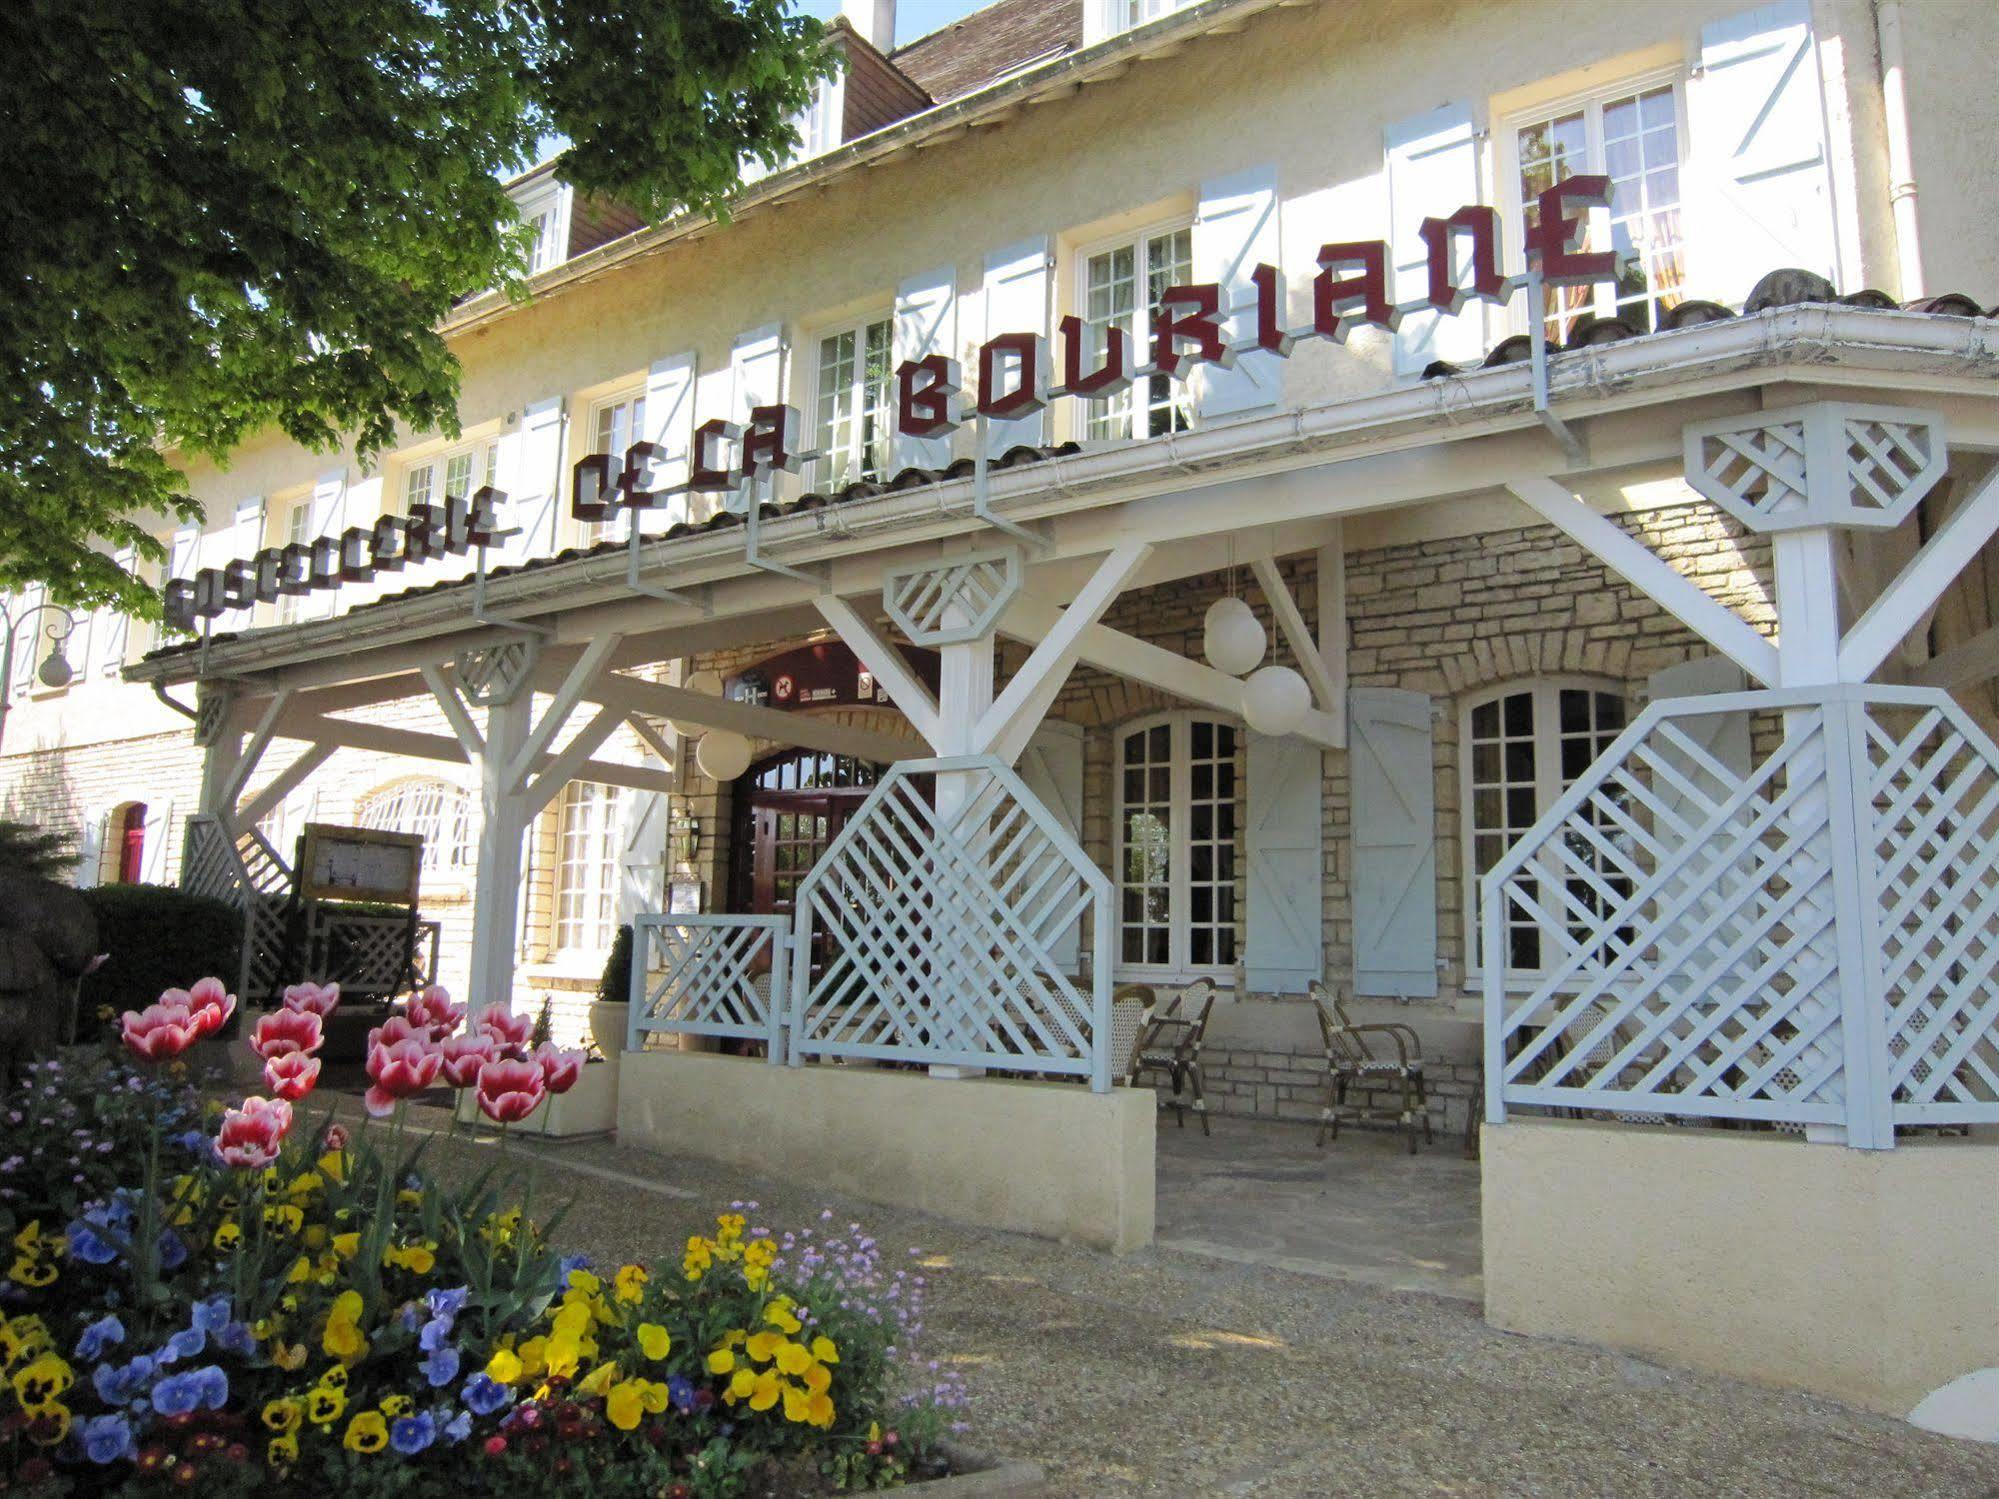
point(709, 976)
point(933, 920)
point(1812, 943)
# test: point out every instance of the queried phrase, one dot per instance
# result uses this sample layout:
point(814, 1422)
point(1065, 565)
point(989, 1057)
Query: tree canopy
point(226, 216)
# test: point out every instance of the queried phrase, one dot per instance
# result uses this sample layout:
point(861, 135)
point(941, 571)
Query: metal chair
point(1131, 1013)
point(1172, 1047)
point(1354, 1061)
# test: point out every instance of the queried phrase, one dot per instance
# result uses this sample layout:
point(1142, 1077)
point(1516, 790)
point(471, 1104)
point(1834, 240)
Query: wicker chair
point(1358, 1060)
point(1172, 1048)
point(1131, 1014)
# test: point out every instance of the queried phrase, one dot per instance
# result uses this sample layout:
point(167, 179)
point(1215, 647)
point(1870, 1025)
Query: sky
point(913, 18)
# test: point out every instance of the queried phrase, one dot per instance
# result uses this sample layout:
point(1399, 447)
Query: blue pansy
point(88, 1245)
point(173, 1252)
point(103, 1334)
point(235, 1337)
point(681, 1392)
point(206, 1388)
point(568, 1263)
point(448, 1303)
point(121, 1384)
point(409, 1435)
point(108, 1439)
point(459, 1427)
point(440, 1366)
point(484, 1394)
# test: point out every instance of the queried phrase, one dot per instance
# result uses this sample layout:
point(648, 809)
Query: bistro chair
point(1171, 1047)
point(1359, 1060)
point(1131, 1013)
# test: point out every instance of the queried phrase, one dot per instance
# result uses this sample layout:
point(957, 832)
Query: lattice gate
point(933, 919)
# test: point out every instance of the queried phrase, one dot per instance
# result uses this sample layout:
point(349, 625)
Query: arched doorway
point(787, 808)
point(130, 831)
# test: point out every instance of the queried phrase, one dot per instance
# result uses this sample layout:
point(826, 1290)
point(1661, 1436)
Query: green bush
point(157, 936)
point(615, 987)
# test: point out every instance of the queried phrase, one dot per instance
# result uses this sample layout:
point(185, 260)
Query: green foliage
point(156, 936)
point(544, 1022)
point(615, 987)
point(26, 849)
point(245, 216)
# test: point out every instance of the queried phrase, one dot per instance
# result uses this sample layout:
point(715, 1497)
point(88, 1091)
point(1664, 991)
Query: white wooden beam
point(562, 766)
point(1965, 664)
point(655, 741)
point(575, 682)
point(445, 691)
point(1906, 601)
point(636, 695)
point(280, 786)
point(1332, 588)
point(382, 739)
point(1325, 691)
point(1644, 570)
point(890, 669)
point(1011, 719)
point(238, 776)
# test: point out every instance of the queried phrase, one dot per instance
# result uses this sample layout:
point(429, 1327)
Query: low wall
point(1865, 1275)
point(1045, 1158)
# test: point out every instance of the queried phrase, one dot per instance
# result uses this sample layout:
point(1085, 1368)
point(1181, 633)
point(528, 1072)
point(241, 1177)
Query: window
point(1524, 745)
point(586, 874)
point(298, 531)
point(440, 812)
point(454, 474)
point(1104, 18)
point(1111, 294)
point(1177, 845)
point(544, 208)
point(1634, 137)
point(819, 126)
point(615, 425)
point(853, 414)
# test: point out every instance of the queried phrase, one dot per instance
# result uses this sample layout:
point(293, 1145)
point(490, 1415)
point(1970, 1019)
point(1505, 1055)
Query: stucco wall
point(1864, 1275)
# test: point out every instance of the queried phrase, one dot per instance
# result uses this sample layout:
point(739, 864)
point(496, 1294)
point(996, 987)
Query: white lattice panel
point(496, 673)
point(935, 933)
point(947, 603)
point(710, 976)
point(1827, 464)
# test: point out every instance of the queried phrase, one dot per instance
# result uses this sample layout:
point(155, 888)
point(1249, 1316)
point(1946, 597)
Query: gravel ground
point(1165, 1374)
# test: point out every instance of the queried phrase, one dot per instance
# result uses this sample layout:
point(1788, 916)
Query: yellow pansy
point(284, 1415)
point(756, 1277)
point(622, 1407)
point(324, 1405)
point(582, 1280)
point(314, 1237)
point(39, 1381)
point(420, 1259)
point(572, 1320)
point(367, 1432)
point(819, 1409)
point(764, 1394)
point(300, 1272)
point(824, 1350)
point(333, 1165)
point(792, 1358)
point(818, 1379)
point(51, 1424)
point(393, 1406)
point(599, 1379)
point(778, 1315)
point(504, 1366)
point(281, 1452)
point(343, 1338)
point(32, 1273)
point(335, 1377)
point(762, 1346)
point(794, 1403)
point(630, 1283)
point(227, 1235)
point(288, 1355)
point(721, 1361)
point(306, 1183)
point(347, 1245)
point(655, 1342)
point(284, 1216)
point(742, 1382)
point(409, 1197)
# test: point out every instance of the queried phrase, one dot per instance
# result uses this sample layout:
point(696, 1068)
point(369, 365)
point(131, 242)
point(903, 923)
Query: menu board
point(338, 863)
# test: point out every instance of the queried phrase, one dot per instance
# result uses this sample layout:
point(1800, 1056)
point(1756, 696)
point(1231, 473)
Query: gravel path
point(1164, 1374)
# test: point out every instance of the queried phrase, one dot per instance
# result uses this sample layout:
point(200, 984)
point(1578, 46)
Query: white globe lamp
point(1231, 637)
point(721, 755)
point(1275, 700)
point(708, 684)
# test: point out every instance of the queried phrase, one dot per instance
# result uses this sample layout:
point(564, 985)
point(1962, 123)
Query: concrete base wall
point(1868, 1276)
point(1044, 1158)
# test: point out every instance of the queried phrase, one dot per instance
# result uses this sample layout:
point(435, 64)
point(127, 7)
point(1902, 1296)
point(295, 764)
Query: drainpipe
point(1901, 169)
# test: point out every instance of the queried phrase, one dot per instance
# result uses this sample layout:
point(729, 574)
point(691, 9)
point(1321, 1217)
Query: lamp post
point(55, 670)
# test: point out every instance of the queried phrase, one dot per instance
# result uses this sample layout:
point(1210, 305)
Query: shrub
point(615, 987)
point(25, 849)
point(156, 935)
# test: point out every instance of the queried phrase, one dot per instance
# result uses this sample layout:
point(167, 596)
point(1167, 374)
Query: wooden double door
point(788, 810)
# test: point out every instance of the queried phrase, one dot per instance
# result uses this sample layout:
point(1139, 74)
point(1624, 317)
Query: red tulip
point(250, 1135)
point(510, 1032)
point(397, 1070)
point(559, 1069)
point(283, 1031)
point(434, 1009)
point(397, 1028)
point(318, 999)
point(464, 1056)
point(291, 1074)
point(510, 1091)
point(160, 1032)
point(210, 1004)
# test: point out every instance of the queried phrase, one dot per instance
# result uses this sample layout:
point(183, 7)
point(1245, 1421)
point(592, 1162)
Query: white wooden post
point(503, 825)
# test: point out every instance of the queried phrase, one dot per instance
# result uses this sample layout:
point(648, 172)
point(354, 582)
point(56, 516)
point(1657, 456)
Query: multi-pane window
point(1635, 140)
point(455, 474)
point(1110, 17)
point(1523, 747)
point(819, 125)
point(586, 873)
point(438, 811)
point(1177, 798)
point(853, 404)
point(615, 426)
point(298, 531)
point(1122, 287)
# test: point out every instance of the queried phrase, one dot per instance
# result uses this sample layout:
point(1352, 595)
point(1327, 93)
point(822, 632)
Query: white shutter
point(245, 536)
point(326, 515)
point(756, 370)
point(670, 423)
point(90, 849)
point(113, 627)
point(1393, 791)
point(1432, 173)
point(183, 557)
point(1016, 301)
point(1235, 230)
point(926, 322)
point(1286, 784)
point(1760, 176)
point(538, 485)
point(1052, 767)
point(155, 855)
point(30, 643)
point(641, 853)
point(363, 507)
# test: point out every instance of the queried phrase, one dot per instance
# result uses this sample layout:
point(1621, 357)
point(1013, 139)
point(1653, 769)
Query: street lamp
point(55, 670)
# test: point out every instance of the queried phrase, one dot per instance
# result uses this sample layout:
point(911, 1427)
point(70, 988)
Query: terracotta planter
point(589, 1108)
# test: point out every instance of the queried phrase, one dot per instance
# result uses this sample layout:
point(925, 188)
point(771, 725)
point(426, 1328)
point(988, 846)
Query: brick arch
point(1534, 653)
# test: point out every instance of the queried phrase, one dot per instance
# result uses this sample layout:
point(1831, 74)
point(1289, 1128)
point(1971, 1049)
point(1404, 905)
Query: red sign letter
point(771, 444)
point(1201, 325)
point(1027, 354)
point(1112, 376)
point(706, 473)
point(1367, 291)
point(1270, 332)
point(1553, 237)
point(1482, 224)
point(926, 396)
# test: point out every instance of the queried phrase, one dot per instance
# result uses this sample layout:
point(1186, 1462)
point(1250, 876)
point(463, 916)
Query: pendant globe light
point(722, 755)
point(1231, 637)
point(1275, 700)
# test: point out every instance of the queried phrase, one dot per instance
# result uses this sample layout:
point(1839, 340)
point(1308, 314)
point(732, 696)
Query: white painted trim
point(1326, 692)
point(1179, 968)
point(1920, 583)
point(905, 688)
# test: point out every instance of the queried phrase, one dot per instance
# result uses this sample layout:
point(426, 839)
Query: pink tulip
point(434, 1009)
point(160, 1032)
point(316, 999)
point(463, 1057)
point(250, 1135)
point(559, 1069)
point(510, 1032)
point(291, 1075)
point(284, 1031)
point(510, 1091)
point(397, 1070)
point(335, 1137)
point(211, 1004)
point(397, 1028)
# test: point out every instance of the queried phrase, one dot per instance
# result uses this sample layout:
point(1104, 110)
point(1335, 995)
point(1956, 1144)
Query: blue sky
point(913, 18)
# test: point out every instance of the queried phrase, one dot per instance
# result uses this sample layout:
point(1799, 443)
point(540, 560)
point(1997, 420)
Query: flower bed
point(257, 1302)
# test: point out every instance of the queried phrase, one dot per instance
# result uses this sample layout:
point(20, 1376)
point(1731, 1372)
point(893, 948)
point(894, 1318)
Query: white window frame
point(1179, 966)
point(552, 198)
point(1506, 142)
point(822, 476)
point(436, 469)
point(1139, 243)
point(619, 525)
point(1108, 18)
point(448, 860)
point(604, 881)
point(821, 125)
point(1548, 782)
